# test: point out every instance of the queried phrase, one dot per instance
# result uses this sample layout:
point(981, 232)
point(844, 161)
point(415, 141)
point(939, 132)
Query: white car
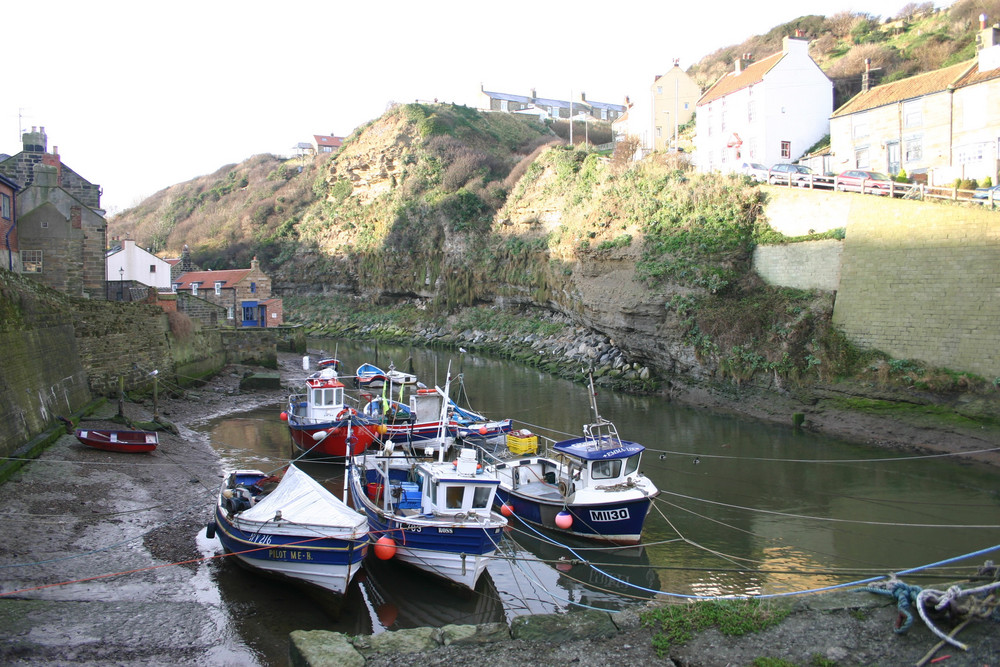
point(754, 170)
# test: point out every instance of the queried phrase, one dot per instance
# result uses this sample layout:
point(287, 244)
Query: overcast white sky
point(139, 96)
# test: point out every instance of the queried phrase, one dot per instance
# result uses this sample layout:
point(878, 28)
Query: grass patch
point(677, 624)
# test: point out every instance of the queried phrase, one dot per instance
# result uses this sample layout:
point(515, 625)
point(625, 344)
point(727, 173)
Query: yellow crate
point(522, 445)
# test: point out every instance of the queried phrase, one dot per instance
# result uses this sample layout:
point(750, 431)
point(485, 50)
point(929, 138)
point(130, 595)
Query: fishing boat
point(430, 509)
point(420, 419)
point(298, 530)
point(589, 487)
point(322, 423)
point(118, 441)
point(370, 376)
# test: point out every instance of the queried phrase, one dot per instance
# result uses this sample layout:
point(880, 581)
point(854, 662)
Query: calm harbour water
point(745, 508)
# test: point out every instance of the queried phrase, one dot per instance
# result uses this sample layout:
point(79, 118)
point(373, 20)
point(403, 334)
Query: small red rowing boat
point(118, 441)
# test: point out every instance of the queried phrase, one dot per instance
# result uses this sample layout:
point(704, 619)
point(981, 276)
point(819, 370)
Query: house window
point(5, 206)
point(913, 149)
point(173, 287)
point(152, 268)
point(859, 128)
point(31, 261)
point(249, 313)
point(229, 313)
point(685, 105)
point(861, 158)
point(913, 115)
point(218, 287)
point(194, 289)
point(786, 150)
point(659, 90)
point(253, 288)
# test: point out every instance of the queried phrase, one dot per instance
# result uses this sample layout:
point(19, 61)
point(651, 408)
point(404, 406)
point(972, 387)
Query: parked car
point(860, 180)
point(799, 175)
point(982, 195)
point(754, 170)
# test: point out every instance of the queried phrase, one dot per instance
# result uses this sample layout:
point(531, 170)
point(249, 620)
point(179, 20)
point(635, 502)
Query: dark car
point(983, 195)
point(861, 180)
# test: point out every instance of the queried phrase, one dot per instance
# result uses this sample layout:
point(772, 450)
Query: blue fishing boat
point(590, 487)
point(298, 530)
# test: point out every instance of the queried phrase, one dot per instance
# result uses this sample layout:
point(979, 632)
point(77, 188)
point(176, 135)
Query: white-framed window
point(174, 286)
point(913, 149)
point(786, 150)
point(194, 289)
point(859, 128)
point(861, 160)
point(913, 114)
point(229, 312)
point(659, 90)
point(31, 261)
point(218, 287)
point(659, 131)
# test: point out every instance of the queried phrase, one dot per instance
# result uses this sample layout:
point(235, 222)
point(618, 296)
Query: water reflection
point(745, 508)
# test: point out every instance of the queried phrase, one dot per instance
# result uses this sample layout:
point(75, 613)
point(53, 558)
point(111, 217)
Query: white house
point(132, 263)
point(769, 111)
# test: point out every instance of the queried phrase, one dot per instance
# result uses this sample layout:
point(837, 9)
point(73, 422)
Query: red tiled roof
point(731, 82)
point(209, 278)
point(906, 89)
point(324, 140)
point(975, 76)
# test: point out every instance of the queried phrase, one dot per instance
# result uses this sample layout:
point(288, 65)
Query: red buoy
point(385, 547)
point(284, 416)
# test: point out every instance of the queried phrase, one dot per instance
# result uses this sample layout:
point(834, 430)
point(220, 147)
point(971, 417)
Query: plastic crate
point(521, 445)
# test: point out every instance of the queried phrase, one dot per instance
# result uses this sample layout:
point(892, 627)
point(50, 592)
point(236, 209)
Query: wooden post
point(156, 394)
point(121, 395)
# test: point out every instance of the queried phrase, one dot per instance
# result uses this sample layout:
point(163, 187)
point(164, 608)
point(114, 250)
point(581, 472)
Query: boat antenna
point(593, 398)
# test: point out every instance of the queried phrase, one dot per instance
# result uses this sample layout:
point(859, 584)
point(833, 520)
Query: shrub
point(181, 325)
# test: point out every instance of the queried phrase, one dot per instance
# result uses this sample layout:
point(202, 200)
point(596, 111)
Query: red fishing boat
point(321, 422)
point(118, 441)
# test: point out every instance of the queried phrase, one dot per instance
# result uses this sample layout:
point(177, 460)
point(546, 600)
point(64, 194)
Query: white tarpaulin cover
point(303, 500)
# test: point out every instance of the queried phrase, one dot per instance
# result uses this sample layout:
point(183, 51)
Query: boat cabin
point(601, 458)
point(325, 397)
point(455, 488)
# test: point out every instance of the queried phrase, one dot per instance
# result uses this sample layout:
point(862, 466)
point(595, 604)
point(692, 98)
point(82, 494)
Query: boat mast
point(443, 423)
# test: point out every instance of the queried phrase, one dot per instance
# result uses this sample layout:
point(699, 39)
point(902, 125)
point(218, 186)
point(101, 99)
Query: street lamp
point(121, 284)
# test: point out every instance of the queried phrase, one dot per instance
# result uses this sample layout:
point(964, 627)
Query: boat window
point(481, 499)
point(606, 469)
point(453, 497)
point(632, 464)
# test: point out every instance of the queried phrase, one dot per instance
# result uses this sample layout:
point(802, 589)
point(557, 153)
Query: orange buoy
point(483, 430)
point(507, 510)
point(382, 429)
point(385, 547)
point(564, 520)
point(284, 416)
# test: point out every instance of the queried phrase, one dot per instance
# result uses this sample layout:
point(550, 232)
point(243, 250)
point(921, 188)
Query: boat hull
point(457, 553)
point(129, 442)
point(328, 563)
point(618, 522)
point(339, 440)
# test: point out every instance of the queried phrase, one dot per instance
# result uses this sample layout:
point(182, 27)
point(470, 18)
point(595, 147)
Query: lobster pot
point(522, 442)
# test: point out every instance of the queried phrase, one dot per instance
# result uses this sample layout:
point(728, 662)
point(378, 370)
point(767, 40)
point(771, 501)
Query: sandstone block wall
point(808, 265)
point(922, 281)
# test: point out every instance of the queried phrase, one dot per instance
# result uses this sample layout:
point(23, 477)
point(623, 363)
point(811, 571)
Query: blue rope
point(906, 597)
point(851, 584)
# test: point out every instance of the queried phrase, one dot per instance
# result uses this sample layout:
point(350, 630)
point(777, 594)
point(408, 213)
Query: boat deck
point(541, 490)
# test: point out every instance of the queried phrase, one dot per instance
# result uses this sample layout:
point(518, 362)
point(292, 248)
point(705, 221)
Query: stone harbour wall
point(808, 265)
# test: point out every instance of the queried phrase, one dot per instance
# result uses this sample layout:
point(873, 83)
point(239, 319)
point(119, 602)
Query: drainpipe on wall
point(6, 237)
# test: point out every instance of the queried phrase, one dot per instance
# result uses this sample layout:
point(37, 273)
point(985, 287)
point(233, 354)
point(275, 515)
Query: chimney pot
point(982, 21)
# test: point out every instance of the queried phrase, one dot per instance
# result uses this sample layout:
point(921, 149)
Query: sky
point(138, 96)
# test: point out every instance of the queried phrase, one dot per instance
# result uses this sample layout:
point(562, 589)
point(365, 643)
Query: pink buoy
point(385, 547)
point(284, 416)
point(507, 510)
point(564, 520)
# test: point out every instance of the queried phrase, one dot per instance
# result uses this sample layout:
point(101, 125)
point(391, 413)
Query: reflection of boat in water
point(396, 599)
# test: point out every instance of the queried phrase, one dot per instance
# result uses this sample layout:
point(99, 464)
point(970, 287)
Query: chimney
point(185, 259)
point(866, 78)
point(740, 63)
point(982, 21)
point(533, 95)
point(35, 141)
